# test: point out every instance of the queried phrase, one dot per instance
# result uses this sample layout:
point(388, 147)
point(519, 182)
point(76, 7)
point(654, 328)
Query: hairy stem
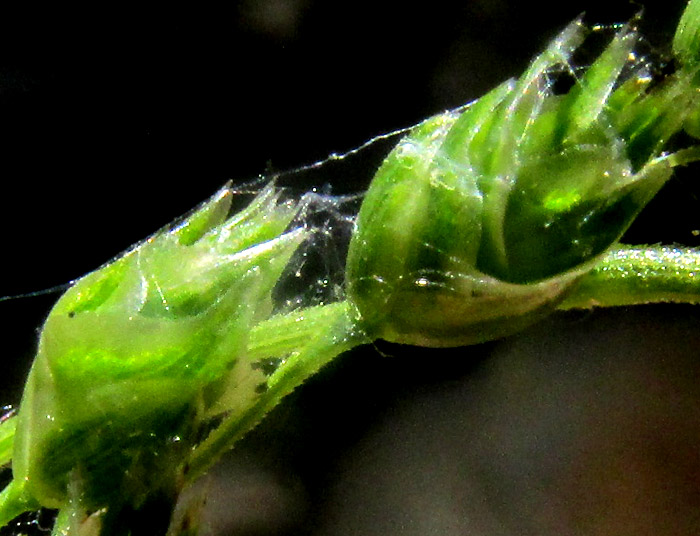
point(640, 275)
point(309, 339)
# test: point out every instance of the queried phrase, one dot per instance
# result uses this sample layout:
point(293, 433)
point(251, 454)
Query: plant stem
point(639, 275)
point(310, 338)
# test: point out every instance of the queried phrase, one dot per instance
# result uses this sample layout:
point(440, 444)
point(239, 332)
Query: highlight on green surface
point(8, 426)
point(686, 41)
point(480, 222)
point(137, 359)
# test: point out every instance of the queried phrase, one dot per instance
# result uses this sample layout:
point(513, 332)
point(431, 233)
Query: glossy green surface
point(137, 355)
point(479, 222)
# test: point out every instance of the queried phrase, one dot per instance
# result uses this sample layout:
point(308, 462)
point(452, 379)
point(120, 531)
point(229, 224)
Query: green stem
point(63, 525)
point(640, 275)
point(283, 334)
point(15, 501)
point(310, 339)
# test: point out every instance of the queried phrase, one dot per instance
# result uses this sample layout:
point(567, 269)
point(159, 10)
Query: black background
point(115, 120)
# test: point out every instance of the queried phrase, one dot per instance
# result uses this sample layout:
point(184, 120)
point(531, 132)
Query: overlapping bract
point(479, 221)
point(134, 355)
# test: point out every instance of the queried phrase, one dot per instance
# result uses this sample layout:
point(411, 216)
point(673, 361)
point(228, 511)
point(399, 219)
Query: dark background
point(114, 121)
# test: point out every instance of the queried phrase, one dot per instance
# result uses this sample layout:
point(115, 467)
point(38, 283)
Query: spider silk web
point(313, 276)
point(316, 273)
